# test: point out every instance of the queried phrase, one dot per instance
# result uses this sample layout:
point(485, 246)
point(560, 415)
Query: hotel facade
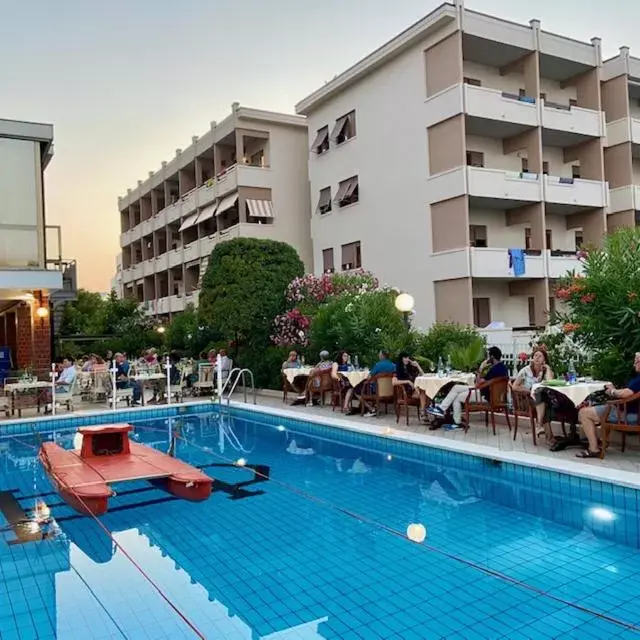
point(468, 159)
point(245, 177)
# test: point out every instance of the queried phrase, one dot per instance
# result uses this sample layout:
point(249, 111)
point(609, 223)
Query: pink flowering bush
point(291, 329)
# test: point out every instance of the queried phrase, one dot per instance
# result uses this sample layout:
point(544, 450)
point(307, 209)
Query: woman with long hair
point(407, 370)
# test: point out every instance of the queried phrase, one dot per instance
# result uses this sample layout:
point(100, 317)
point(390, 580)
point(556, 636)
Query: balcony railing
point(576, 192)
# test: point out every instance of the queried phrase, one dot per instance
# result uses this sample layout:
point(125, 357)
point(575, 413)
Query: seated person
point(226, 364)
point(292, 362)
point(536, 372)
point(122, 377)
point(64, 382)
point(384, 365)
point(407, 371)
point(313, 383)
point(490, 369)
point(342, 365)
point(590, 417)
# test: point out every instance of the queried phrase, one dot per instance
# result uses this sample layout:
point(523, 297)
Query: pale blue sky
point(127, 82)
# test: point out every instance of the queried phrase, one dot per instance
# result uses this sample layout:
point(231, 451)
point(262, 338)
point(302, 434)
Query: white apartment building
point(465, 137)
point(245, 177)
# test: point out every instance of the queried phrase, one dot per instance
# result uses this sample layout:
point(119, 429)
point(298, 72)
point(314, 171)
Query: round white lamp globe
point(404, 302)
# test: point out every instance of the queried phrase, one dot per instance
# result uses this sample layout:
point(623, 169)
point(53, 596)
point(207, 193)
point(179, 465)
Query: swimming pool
point(319, 549)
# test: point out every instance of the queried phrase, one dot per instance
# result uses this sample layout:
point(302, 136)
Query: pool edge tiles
point(573, 468)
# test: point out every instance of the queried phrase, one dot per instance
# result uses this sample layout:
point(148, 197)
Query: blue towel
point(516, 261)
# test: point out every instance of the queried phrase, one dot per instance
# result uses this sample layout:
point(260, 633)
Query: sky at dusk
point(126, 83)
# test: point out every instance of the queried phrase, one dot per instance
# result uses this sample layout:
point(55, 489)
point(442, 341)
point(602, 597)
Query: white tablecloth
point(577, 392)
point(144, 377)
point(292, 374)
point(355, 377)
point(431, 384)
point(25, 386)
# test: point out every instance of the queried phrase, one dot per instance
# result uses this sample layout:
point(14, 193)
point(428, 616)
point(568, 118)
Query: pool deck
point(617, 467)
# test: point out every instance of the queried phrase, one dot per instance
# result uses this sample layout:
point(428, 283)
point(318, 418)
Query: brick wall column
point(33, 339)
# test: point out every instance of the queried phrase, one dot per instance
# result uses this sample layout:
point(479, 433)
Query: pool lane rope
point(399, 534)
point(124, 552)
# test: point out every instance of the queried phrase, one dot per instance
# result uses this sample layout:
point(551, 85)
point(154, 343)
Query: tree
point(244, 287)
point(602, 305)
point(84, 315)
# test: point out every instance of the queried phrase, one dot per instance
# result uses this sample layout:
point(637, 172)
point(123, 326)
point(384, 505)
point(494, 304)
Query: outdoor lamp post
point(404, 304)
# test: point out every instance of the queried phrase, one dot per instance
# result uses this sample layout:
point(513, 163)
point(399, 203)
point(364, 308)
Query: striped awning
point(226, 203)
point(207, 212)
point(189, 221)
point(260, 208)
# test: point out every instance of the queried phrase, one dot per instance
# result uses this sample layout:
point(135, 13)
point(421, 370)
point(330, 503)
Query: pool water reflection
point(316, 551)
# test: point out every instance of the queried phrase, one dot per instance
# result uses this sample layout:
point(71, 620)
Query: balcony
point(191, 252)
point(176, 304)
point(159, 221)
point(207, 244)
point(488, 184)
point(624, 199)
point(575, 194)
point(128, 275)
point(161, 262)
point(623, 130)
point(175, 257)
point(583, 122)
point(138, 271)
point(189, 202)
point(559, 264)
point(146, 227)
point(494, 263)
point(227, 181)
point(482, 103)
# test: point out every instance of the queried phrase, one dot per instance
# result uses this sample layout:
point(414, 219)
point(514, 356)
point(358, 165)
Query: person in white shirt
point(67, 376)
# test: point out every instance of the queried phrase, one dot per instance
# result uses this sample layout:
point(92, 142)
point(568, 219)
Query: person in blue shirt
point(122, 377)
point(591, 416)
point(384, 365)
point(491, 368)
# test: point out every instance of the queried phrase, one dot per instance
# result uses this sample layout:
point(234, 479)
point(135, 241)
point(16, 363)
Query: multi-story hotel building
point(32, 272)
point(245, 177)
point(621, 102)
point(462, 145)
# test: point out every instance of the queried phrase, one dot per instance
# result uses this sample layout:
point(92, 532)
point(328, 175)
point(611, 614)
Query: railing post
point(219, 377)
point(167, 366)
point(113, 371)
point(53, 388)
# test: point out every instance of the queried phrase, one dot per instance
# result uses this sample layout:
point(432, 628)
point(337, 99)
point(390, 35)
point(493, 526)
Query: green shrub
point(444, 337)
point(468, 357)
point(363, 324)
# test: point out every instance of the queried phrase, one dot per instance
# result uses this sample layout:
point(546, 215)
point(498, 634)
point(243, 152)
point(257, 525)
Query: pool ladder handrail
point(240, 375)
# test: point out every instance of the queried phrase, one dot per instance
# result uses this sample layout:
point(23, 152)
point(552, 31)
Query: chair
point(205, 379)
point(622, 424)
point(497, 402)
point(319, 384)
point(66, 398)
point(523, 408)
point(377, 389)
point(125, 394)
point(338, 393)
point(402, 399)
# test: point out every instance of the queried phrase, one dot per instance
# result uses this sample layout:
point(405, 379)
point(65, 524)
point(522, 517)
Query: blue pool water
point(318, 551)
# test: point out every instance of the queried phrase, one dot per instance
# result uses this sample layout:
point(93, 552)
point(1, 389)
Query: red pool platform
point(82, 477)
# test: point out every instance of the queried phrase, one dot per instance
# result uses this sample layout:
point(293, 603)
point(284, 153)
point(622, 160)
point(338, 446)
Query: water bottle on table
point(440, 369)
point(356, 364)
point(571, 372)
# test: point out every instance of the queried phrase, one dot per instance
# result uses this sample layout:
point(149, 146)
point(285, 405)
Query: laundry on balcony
point(516, 262)
point(565, 180)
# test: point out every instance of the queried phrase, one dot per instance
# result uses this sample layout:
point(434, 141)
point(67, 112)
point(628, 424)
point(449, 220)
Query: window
point(324, 201)
point(481, 312)
point(532, 311)
point(475, 159)
point(327, 261)
point(351, 256)
point(321, 143)
point(345, 128)
point(573, 102)
point(522, 93)
point(552, 306)
point(545, 168)
point(579, 240)
point(474, 82)
point(525, 165)
point(477, 235)
point(527, 238)
point(575, 171)
point(348, 192)
point(543, 96)
point(549, 238)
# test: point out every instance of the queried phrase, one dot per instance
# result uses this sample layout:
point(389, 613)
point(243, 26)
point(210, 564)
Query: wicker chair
point(497, 403)
point(377, 390)
point(523, 408)
point(404, 400)
point(319, 384)
point(622, 424)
